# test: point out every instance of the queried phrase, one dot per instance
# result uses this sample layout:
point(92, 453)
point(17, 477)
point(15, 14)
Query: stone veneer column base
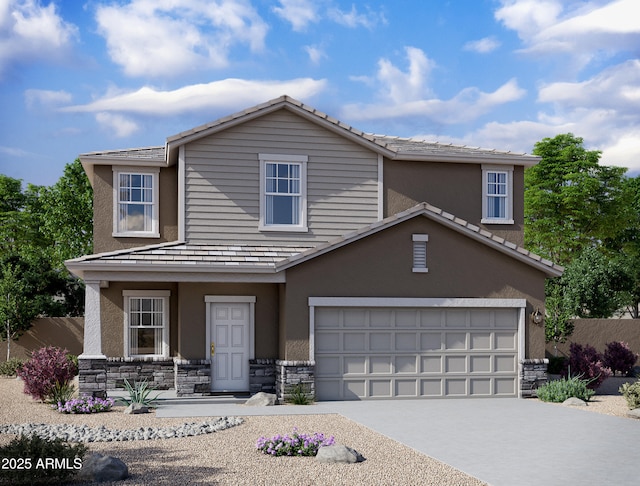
point(533, 373)
point(292, 373)
point(192, 377)
point(262, 376)
point(92, 375)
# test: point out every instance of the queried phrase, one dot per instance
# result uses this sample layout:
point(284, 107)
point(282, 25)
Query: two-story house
point(278, 244)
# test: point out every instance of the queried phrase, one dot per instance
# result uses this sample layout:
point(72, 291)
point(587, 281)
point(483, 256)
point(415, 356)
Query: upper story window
point(135, 197)
point(283, 192)
point(497, 195)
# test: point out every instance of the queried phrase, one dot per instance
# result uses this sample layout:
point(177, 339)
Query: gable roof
point(394, 148)
point(449, 220)
point(179, 256)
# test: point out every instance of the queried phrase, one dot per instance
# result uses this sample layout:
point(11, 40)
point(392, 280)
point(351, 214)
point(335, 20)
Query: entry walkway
point(504, 442)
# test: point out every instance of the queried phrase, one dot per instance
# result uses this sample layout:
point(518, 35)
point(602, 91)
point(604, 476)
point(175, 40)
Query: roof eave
point(493, 158)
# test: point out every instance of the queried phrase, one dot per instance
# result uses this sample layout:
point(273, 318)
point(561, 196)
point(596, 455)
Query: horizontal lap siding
point(222, 176)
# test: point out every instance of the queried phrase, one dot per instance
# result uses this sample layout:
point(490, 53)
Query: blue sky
point(78, 76)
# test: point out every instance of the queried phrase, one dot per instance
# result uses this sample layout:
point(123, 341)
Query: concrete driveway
point(510, 442)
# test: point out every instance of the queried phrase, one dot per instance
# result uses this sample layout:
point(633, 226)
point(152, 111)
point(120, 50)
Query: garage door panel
point(455, 340)
point(406, 364)
point(415, 352)
point(381, 364)
point(355, 365)
point(431, 341)
point(354, 341)
point(380, 341)
point(505, 341)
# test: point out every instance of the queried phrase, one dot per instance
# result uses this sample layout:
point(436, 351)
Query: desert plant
point(295, 444)
point(619, 358)
point(34, 460)
point(11, 367)
point(631, 393)
point(85, 404)
point(47, 367)
point(139, 393)
point(586, 362)
point(299, 395)
point(61, 392)
point(557, 391)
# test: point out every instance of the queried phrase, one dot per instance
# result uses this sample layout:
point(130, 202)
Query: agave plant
point(139, 393)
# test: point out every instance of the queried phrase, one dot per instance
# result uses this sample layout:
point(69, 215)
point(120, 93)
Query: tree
point(571, 201)
point(558, 323)
point(595, 285)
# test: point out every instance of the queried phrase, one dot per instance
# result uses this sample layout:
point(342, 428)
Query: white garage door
point(365, 353)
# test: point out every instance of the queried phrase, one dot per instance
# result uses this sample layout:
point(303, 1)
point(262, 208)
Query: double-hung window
point(283, 198)
point(497, 195)
point(146, 323)
point(135, 198)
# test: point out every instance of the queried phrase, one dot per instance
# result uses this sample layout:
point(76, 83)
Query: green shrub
point(556, 365)
point(11, 367)
point(33, 460)
point(557, 391)
point(61, 392)
point(631, 392)
point(299, 395)
point(139, 393)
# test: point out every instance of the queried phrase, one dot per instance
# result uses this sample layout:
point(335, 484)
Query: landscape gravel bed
point(230, 457)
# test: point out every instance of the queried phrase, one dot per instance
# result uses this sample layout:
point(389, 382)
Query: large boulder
point(99, 468)
point(635, 413)
point(261, 399)
point(136, 408)
point(574, 402)
point(338, 453)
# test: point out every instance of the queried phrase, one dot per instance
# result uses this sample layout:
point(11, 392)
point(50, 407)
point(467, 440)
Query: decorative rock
point(338, 453)
point(261, 399)
point(635, 413)
point(574, 402)
point(136, 408)
point(99, 468)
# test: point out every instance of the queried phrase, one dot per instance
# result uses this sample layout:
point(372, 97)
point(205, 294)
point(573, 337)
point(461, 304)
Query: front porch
point(190, 378)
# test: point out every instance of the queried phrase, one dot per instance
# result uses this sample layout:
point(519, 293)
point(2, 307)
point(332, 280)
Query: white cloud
point(354, 19)
point(46, 98)
point(31, 32)
point(585, 31)
point(407, 94)
point(228, 94)
point(119, 125)
point(171, 37)
point(483, 46)
point(299, 13)
point(316, 54)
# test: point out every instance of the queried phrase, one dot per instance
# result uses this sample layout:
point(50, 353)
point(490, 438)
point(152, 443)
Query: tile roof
point(181, 256)
point(143, 153)
point(205, 256)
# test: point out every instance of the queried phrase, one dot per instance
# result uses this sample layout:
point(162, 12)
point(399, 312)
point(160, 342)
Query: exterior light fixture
point(536, 316)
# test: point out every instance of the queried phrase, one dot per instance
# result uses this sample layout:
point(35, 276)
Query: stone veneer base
point(533, 373)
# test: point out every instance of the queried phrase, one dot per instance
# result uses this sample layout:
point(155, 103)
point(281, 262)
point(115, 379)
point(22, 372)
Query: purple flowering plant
point(85, 404)
point(296, 444)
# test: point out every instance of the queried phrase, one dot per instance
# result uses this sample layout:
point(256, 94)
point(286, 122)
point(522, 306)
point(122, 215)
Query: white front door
point(230, 345)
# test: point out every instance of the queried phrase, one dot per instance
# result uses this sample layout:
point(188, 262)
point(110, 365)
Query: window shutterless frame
point(146, 323)
point(497, 194)
point(135, 202)
point(283, 192)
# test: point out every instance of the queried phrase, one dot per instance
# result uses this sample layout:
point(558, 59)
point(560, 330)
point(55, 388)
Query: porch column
point(92, 348)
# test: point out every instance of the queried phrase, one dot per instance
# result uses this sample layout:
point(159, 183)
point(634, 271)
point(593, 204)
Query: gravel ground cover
point(229, 457)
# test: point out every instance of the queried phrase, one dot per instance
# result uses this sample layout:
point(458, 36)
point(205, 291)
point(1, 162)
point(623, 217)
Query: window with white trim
point(497, 195)
point(146, 329)
point(135, 197)
point(283, 201)
point(420, 253)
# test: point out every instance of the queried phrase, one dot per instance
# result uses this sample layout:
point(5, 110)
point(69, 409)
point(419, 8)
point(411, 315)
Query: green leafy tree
point(596, 285)
point(558, 323)
point(571, 201)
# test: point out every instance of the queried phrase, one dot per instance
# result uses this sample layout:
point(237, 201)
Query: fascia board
point(185, 276)
point(496, 159)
